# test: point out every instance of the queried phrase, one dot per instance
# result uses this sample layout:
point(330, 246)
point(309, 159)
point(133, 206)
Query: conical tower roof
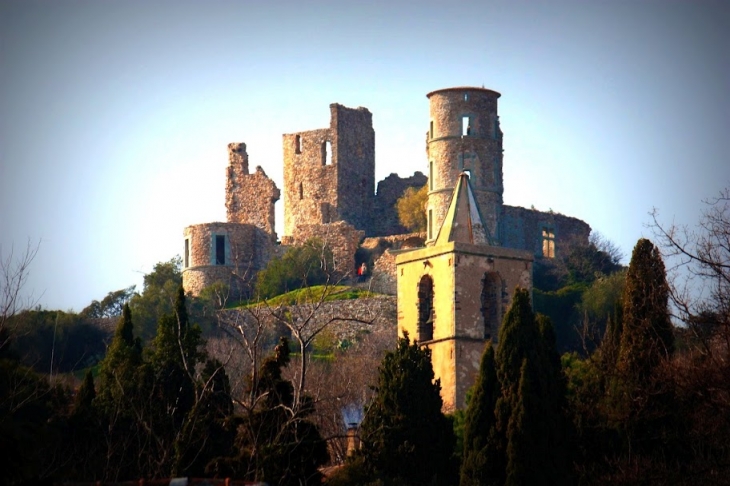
point(463, 223)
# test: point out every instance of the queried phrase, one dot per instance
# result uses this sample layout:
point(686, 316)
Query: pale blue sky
point(115, 116)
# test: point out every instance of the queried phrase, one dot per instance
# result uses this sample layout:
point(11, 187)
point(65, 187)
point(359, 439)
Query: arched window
point(491, 303)
point(425, 309)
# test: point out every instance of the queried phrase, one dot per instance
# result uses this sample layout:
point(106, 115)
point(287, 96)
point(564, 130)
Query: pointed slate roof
point(463, 223)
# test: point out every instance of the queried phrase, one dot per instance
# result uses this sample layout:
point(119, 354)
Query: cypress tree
point(478, 466)
point(530, 414)
point(119, 399)
point(404, 434)
point(525, 465)
point(118, 369)
point(645, 410)
point(647, 337)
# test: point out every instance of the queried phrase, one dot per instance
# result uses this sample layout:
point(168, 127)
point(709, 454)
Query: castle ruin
point(453, 284)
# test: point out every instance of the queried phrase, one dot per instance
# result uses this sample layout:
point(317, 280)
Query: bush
point(301, 266)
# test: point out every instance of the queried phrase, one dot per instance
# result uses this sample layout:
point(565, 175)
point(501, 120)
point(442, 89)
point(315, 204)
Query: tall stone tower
point(464, 136)
point(452, 295)
point(329, 173)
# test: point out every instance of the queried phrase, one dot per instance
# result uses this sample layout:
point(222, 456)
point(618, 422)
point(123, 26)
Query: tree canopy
point(411, 207)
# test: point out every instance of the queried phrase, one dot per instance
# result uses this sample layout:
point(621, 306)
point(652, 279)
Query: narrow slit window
point(326, 153)
point(301, 191)
point(187, 253)
point(548, 242)
point(430, 130)
point(466, 96)
point(220, 250)
point(465, 126)
point(430, 175)
point(490, 304)
point(425, 309)
point(298, 144)
point(430, 224)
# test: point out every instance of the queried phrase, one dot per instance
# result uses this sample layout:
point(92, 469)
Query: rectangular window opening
point(430, 175)
point(220, 250)
point(431, 130)
point(186, 262)
point(430, 224)
point(326, 153)
point(548, 243)
point(298, 145)
point(465, 126)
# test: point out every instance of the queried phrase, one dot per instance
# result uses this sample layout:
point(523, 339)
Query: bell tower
point(464, 136)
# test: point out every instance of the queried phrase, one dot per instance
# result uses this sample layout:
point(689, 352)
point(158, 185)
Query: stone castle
point(453, 284)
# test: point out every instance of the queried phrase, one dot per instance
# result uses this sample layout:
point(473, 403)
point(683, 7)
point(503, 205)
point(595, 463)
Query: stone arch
point(425, 309)
point(491, 309)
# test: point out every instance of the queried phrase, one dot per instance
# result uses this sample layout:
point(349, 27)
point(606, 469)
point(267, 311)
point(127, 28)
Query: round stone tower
point(464, 136)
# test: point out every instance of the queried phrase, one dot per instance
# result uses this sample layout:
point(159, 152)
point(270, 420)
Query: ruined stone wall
point(341, 237)
point(247, 249)
point(523, 229)
point(382, 259)
point(390, 190)
point(354, 156)
point(319, 190)
point(310, 185)
point(250, 198)
point(453, 147)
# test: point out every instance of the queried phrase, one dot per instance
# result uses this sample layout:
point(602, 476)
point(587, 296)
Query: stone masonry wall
point(451, 151)
point(380, 254)
point(310, 185)
point(522, 229)
point(247, 249)
point(390, 190)
point(341, 237)
point(250, 198)
point(354, 156)
point(318, 190)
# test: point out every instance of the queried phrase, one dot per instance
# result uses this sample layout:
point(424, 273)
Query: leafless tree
point(699, 270)
point(14, 271)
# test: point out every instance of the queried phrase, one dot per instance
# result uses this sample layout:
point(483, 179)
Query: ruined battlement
point(250, 198)
point(329, 173)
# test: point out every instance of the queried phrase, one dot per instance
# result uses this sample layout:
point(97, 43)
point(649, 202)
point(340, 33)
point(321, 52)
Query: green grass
point(308, 295)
